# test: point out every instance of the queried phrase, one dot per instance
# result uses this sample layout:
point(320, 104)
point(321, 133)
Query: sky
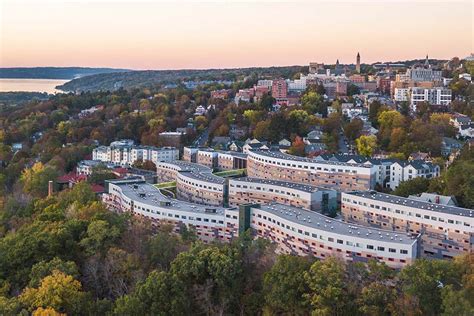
point(179, 34)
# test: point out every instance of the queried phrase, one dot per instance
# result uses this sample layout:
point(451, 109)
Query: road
point(202, 138)
point(343, 148)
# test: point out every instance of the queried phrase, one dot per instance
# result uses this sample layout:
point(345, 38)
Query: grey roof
point(321, 222)
point(204, 176)
point(234, 154)
point(280, 155)
point(376, 196)
point(150, 195)
point(187, 166)
point(286, 184)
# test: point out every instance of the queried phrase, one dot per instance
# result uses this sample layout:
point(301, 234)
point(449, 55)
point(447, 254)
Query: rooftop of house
point(321, 222)
point(435, 198)
point(376, 196)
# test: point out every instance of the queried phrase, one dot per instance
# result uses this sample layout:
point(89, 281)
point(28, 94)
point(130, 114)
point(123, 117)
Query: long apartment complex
point(126, 153)
point(294, 230)
point(194, 182)
point(446, 231)
point(247, 190)
point(215, 159)
point(275, 165)
point(143, 199)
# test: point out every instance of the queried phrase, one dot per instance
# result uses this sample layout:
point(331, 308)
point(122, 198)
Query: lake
point(31, 85)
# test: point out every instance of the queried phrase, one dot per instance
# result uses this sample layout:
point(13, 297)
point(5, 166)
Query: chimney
point(50, 188)
point(437, 199)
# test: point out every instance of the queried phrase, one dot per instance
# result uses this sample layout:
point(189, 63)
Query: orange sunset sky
point(217, 34)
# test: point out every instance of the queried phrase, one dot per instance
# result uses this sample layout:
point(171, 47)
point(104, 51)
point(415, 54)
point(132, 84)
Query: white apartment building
point(265, 83)
point(401, 94)
point(437, 96)
point(126, 154)
point(297, 84)
point(406, 170)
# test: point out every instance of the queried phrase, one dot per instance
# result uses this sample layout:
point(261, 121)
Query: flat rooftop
point(234, 154)
point(204, 176)
point(286, 184)
point(280, 155)
point(187, 166)
point(398, 200)
point(321, 222)
point(148, 194)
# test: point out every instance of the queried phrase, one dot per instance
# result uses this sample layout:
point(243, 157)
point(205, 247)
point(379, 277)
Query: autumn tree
point(366, 145)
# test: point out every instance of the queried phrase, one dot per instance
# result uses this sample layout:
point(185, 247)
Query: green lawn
point(230, 173)
point(166, 185)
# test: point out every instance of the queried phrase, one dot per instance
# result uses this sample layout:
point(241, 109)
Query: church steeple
point(358, 62)
point(427, 63)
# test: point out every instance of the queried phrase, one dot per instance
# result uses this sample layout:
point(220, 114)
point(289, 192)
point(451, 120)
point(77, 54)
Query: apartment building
point(436, 96)
point(168, 171)
point(293, 230)
point(275, 165)
point(207, 157)
point(279, 89)
point(446, 231)
point(201, 188)
point(254, 190)
point(144, 200)
point(127, 154)
point(301, 232)
point(216, 159)
point(406, 170)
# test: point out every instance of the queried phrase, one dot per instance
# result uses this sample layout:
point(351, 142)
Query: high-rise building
point(358, 63)
point(279, 89)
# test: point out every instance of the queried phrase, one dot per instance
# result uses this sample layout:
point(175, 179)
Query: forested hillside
point(53, 72)
point(140, 79)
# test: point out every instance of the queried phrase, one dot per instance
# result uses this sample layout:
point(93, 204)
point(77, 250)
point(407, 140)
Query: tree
point(162, 249)
point(58, 291)
point(162, 293)
point(366, 145)
point(44, 268)
point(327, 287)
point(297, 147)
point(313, 103)
point(35, 179)
point(424, 279)
point(413, 186)
point(353, 129)
point(352, 89)
point(146, 165)
point(100, 235)
point(423, 110)
point(284, 285)
point(212, 277)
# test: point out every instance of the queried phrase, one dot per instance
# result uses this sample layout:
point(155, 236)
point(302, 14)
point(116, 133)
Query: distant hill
point(148, 78)
point(53, 72)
